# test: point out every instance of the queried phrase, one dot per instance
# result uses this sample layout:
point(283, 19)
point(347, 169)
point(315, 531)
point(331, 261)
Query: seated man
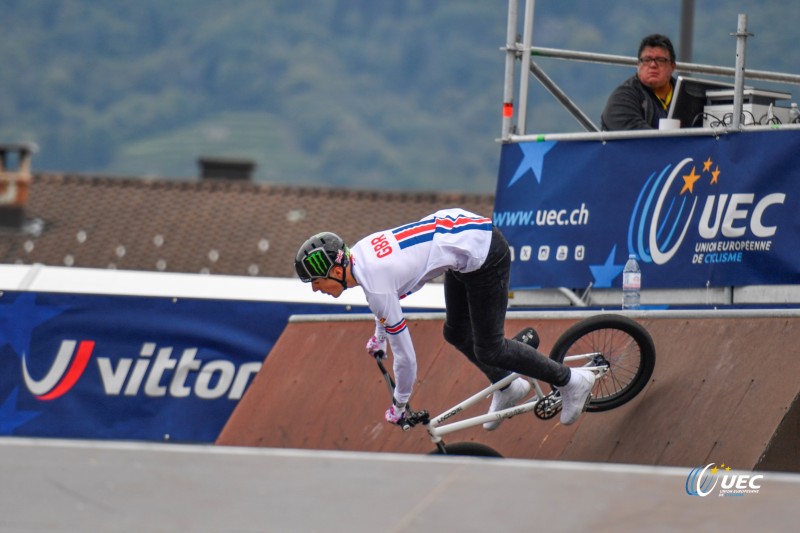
point(644, 98)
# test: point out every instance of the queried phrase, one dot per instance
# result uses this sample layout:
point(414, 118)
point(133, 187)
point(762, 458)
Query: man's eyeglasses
point(660, 61)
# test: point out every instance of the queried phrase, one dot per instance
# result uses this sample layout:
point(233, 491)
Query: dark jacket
point(632, 106)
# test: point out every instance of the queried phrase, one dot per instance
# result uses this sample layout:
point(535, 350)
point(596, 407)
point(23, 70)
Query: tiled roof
point(216, 226)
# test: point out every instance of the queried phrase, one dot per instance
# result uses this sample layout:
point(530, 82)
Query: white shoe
point(503, 399)
point(576, 394)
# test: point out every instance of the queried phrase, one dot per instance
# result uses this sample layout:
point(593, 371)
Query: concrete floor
point(60, 485)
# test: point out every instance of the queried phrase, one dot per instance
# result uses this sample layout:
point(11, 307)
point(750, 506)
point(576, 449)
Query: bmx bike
point(616, 348)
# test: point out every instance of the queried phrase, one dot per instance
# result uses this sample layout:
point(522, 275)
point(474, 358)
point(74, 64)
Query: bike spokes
point(619, 348)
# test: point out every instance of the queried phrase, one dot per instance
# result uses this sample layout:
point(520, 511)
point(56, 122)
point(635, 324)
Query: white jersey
point(391, 264)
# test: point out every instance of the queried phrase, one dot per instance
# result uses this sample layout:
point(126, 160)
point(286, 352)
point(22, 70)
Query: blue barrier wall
point(125, 367)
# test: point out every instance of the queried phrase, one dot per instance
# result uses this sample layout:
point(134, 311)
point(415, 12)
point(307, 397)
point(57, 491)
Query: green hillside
point(398, 94)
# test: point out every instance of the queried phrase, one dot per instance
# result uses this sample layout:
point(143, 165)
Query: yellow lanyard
point(665, 102)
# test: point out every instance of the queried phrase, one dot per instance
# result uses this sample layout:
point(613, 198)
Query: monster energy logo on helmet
point(319, 254)
point(318, 263)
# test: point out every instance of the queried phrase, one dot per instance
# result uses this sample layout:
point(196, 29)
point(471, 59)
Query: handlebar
point(412, 418)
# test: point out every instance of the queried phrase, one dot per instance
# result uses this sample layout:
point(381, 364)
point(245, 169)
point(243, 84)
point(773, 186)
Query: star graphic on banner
point(689, 181)
point(707, 164)
point(533, 160)
point(10, 417)
point(605, 274)
point(715, 175)
point(19, 318)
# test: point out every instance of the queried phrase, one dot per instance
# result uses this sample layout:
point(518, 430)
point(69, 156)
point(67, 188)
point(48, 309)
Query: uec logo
point(663, 214)
point(702, 481)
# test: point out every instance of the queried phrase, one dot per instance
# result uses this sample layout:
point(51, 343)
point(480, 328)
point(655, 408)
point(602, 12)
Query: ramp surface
point(724, 390)
point(79, 486)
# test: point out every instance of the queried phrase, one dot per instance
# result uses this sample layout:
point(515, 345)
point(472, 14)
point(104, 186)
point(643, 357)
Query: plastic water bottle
point(794, 113)
point(631, 284)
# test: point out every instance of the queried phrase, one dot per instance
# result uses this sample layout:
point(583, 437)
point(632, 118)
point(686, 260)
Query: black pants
point(476, 304)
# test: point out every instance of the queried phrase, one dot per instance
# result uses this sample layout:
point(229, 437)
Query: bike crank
point(547, 407)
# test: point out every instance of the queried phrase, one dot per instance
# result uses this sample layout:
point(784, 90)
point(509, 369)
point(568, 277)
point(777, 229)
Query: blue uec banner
point(697, 211)
point(116, 367)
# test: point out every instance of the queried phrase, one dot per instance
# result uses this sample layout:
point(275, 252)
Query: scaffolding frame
point(514, 130)
point(523, 52)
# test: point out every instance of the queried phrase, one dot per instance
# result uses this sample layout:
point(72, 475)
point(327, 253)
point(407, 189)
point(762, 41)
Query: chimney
point(15, 178)
point(226, 169)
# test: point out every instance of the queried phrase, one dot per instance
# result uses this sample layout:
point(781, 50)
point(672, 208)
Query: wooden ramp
point(724, 390)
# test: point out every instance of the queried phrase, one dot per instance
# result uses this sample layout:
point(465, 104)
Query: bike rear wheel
point(473, 449)
point(623, 343)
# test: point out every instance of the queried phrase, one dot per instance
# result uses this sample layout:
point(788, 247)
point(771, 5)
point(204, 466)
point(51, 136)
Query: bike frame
point(437, 426)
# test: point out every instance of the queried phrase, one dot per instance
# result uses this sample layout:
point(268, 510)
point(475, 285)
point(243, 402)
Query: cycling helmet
point(319, 254)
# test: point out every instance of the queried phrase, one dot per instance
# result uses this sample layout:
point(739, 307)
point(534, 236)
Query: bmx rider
point(474, 257)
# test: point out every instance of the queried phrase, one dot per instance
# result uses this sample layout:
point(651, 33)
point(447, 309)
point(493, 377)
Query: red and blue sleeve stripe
point(424, 230)
point(397, 328)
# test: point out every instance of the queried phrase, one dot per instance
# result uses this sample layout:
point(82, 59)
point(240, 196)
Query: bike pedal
point(528, 336)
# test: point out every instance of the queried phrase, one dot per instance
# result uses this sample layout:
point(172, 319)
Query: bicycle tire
point(473, 449)
point(624, 343)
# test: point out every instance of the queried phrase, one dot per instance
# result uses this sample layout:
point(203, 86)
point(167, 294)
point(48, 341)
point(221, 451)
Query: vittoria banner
point(114, 367)
point(697, 211)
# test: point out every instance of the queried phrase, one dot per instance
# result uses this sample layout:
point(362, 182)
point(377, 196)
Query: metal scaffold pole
point(508, 85)
point(738, 85)
point(527, 38)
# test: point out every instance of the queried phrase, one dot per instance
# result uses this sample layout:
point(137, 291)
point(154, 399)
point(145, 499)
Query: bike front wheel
point(618, 341)
point(473, 449)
